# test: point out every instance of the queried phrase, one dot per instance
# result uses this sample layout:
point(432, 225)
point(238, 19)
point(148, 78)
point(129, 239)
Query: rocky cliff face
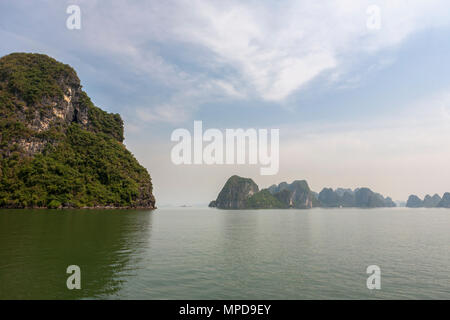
point(235, 193)
point(294, 195)
point(243, 193)
point(47, 120)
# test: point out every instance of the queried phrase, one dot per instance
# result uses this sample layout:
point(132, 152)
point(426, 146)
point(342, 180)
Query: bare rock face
point(295, 195)
point(52, 113)
point(235, 193)
point(62, 110)
point(61, 103)
point(243, 193)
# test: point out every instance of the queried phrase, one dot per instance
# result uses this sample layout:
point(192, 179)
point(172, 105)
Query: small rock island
point(57, 148)
point(243, 193)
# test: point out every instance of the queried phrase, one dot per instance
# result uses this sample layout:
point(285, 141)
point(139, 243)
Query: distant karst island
point(58, 150)
point(429, 201)
point(243, 193)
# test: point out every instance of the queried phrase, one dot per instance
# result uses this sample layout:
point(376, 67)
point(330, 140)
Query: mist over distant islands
point(429, 201)
point(243, 193)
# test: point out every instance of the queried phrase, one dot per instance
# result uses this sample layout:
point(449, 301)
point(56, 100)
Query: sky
point(357, 104)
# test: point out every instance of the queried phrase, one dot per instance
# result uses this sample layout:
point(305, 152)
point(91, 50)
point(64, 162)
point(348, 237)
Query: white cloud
point(294, 72)
point(228, 88)
point(163, 113)
point(269, 50)
point(278, 49)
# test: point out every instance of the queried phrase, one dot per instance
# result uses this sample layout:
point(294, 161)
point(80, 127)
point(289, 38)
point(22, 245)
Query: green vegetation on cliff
point(243, 193)
point(264, 200)
point(235, 193)
point(57, 148)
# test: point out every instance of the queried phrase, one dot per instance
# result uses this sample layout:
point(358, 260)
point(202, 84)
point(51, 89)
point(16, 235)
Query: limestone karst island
point(58, 150)
point(244, 193)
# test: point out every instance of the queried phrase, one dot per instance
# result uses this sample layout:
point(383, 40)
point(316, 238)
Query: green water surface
point(203, 253)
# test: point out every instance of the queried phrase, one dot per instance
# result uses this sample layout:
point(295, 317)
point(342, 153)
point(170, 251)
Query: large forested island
point(243, 193)
point(57, 148)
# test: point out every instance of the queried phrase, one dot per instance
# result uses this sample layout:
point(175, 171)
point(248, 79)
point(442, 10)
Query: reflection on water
point(204, 253)
point(36, 246)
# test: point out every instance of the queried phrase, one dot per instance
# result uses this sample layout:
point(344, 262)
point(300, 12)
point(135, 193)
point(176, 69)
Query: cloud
point(279, 49)
point(273, 50)
point(201, 51)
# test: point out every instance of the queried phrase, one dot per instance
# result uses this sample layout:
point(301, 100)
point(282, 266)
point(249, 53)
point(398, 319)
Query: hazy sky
point(355, 106)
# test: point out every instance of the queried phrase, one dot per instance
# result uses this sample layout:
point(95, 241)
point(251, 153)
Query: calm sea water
point(202, 253)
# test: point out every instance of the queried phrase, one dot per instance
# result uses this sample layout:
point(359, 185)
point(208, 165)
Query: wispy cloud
point(200, 51)
point(274, 50)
